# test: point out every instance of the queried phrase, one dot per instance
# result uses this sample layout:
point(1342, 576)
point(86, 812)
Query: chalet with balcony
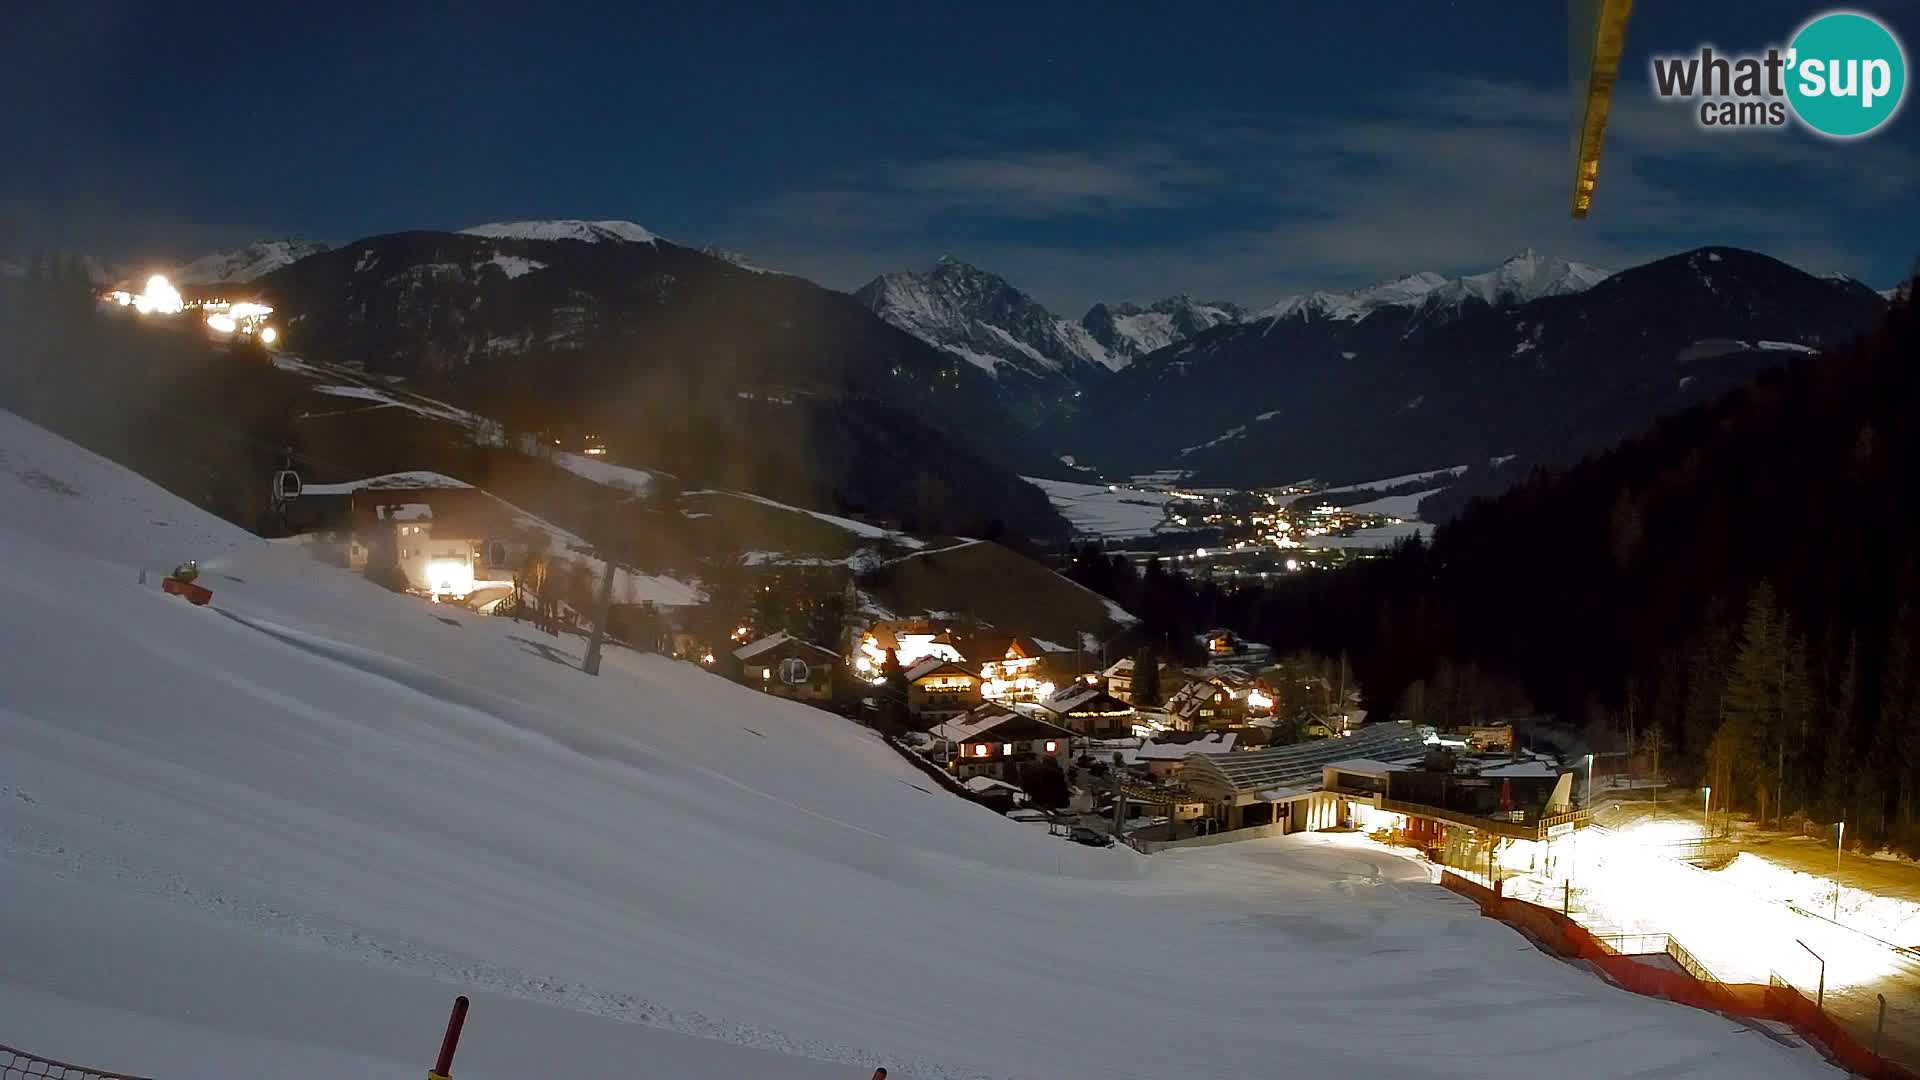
point(939, 690)
point(996, 742)
point(785, 666)
point(1089, 710)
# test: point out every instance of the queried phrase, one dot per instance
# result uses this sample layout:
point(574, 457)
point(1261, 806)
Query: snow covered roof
point(771, 641)
point(1301, 763)
point(993, 717)
point(1219, 742)
point(981, 784)
point(1523, 767)
point(931, 665)
point(1073, 697)
point(1121, 668)
point(1365, 766)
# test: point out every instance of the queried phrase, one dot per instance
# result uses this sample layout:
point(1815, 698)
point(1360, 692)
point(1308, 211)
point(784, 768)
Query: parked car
point(1080, 834)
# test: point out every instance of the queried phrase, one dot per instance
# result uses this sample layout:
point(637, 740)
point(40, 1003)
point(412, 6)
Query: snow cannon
point(198, 595)
point(187, 571)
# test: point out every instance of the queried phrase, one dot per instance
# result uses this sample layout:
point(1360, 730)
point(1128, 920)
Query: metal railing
point(1653, 945)
point(1512, 830)
point(20, 1065)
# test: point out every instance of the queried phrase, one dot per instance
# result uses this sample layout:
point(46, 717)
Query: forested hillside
point(1735, 591)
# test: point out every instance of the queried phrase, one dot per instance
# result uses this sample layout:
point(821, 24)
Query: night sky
point(1092, 152)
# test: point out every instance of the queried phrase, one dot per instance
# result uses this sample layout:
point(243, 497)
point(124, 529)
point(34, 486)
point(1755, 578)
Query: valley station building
point(1388, 777)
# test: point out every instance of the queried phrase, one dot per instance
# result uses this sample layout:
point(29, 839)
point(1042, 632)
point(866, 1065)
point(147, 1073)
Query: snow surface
point(1381, 537)
point(1395, 481)
point(1093, 509)
point(1789, 346)
point(858, 528)
point(592, 232)
point(399, 481)
point(417, 405)
point(1400, 506)
point(276, 835)
point(248, 263)
point(604, 473)
point(516, 265)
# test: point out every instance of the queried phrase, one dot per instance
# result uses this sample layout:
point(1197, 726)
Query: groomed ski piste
point(275, 836)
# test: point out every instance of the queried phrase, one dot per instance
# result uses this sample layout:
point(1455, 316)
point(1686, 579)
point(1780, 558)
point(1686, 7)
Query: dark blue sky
point(1114, 151)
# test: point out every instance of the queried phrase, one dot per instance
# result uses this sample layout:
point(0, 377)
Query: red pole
point(443, 1065)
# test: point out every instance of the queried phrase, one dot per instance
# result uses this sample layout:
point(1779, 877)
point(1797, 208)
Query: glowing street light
point(1589, 781)
point(1706, 815)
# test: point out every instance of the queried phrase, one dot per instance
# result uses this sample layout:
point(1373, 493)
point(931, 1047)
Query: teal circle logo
point(1847, 74)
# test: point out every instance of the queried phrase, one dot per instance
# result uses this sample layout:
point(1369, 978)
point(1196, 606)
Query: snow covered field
point(275, 836)
point(1094, 510)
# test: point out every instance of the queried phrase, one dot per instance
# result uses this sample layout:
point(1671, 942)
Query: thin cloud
point(1452, 178)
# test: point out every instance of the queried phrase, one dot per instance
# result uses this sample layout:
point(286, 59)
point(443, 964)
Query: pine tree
point(1899, 722)
point(1753, 695)
point(1146, 678)
point(1837, 783)
point(895, 716)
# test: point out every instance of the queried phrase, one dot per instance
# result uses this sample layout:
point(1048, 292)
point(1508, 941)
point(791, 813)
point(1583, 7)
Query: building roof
point(1365, 766)
point(771, 641)
point(933, 665)
point(775, 641)
point(1219, 742)
point(1285, 766)
point(982, 784)
point(1122, 668)
point(1005, 725)
point(1188, 699)
point(1078, 696)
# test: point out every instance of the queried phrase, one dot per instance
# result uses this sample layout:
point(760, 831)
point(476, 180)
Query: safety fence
point(20, 1065)
point(1778, 1000)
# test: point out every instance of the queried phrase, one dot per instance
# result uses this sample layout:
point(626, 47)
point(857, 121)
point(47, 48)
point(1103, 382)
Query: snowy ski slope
point(275, 836)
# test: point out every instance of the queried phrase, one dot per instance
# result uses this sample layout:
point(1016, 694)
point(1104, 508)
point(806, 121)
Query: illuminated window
point(1007, 749)
point(981, 750)
point(1052, 746)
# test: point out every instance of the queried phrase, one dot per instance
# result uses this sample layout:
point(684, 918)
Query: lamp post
point(1589, 781)
point(1706, 815)
point(1839, 839)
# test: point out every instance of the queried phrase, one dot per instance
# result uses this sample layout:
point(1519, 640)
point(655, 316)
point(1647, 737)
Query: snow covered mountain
point(318, 793)
point(1523, 278)
point(1540, 356)
point(1128, 331)
point(253, 261)
point(982, 319)
point(592, 232)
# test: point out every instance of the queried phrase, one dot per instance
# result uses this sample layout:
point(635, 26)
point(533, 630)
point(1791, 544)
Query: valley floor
point(277, 835)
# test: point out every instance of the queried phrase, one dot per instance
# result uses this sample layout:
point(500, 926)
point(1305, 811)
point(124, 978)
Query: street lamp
point(1839, 839)
point(1706, 815)
point(1589, 781)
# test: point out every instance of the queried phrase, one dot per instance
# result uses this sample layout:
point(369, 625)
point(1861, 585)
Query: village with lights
point(215, 315)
